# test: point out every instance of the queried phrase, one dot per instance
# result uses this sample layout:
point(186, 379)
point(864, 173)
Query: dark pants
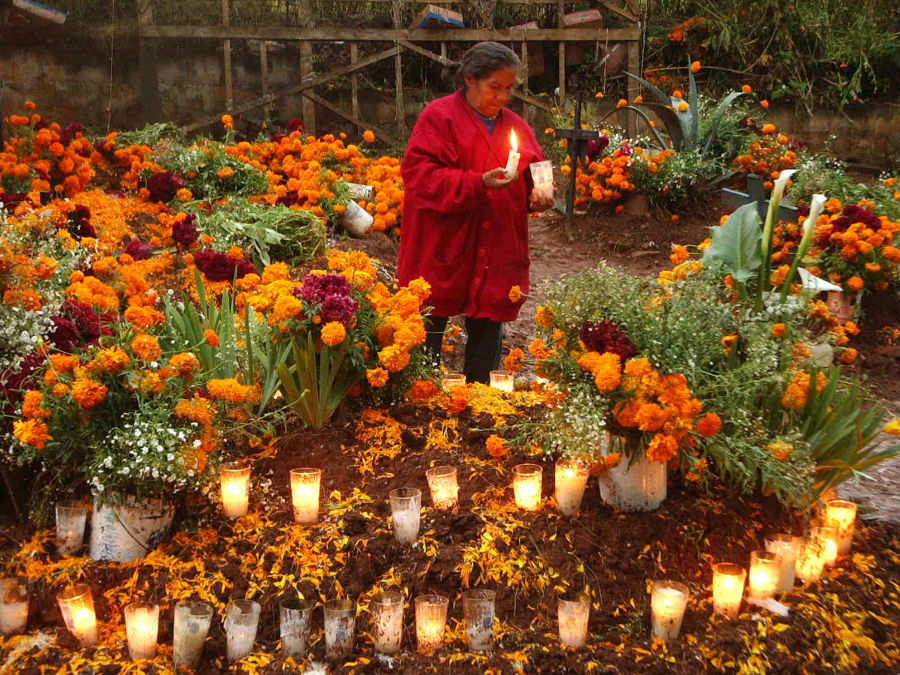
point(483, 342)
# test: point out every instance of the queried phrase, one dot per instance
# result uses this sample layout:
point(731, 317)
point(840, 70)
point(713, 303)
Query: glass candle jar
point(305, 485)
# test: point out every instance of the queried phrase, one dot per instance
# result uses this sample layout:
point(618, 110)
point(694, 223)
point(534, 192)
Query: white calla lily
point(815, 210)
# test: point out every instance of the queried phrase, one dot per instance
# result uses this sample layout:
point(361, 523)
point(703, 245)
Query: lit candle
point(340, 621)
point(431, 617)
point(141, 628)
point(829, 536)
point(305, 494)
point(572, 615)
point(77, 608)
point(13, 606)
point(527, 486)
point(841, 514)
point(765, 571)
point(571, 478)
point(512, 161)
point(728, 587)
point(234, 480)
point(668, 600)
point(810, 560)
point(387, 621)
point(295, 617)
point(503, 380)
point(192, 622)
point(444, 490)
point(452, 381)
point(70, 522)
point(405, 506)
point(787, 546)
point(478, 611)
point(241, 622)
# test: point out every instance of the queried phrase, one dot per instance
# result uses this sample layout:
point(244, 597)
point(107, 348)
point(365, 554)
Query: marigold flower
point(495, 446)
point(608, 373)
point(63, 363)
point(197, 409)
point(31, 406)
point(229, 389)
point(638, 367)
point(227, 121)
point(515, 294)
point(513, 360)
point(651, 417)
point(728, 342)
point(459, 399)
point(210, 337)
point(709, 425)
point(184, 195)
point(855, 283)
point(662, 448)
point(143, 317)
point(746, 88)
point(226, 172)
point(368, 136)
point(88, 393)
point(599, 94)
point(621, 103)
point(677, 94)
point(543, 316)
point(679, 254)
point(539, 350)
point(393, 358)
point(112, 360)
point(695, 67)
point(683, 106)
point(32, 432)
point(185, 363)
point(377, 377)
point(778, 330)
point(333, 333)
point(849, 355)
point(765, 104)
point(780, 449)
point(892, 427)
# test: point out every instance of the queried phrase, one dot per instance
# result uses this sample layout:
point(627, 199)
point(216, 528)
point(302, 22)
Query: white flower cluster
point(578, 427)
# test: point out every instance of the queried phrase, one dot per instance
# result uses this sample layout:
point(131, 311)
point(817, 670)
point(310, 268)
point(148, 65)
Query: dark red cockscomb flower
point(163, 186)
point(596, 146)
point(219, 267)
point(605, 336)
point(138, 250)
point(79, 223)
point(296, 125)
point(11, 200)
point(184, 232)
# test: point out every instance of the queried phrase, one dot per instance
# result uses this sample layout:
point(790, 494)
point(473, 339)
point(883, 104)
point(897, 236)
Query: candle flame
point(513, 141)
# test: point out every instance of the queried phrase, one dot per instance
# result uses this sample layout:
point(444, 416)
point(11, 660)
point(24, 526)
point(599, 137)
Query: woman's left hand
point(541, 202)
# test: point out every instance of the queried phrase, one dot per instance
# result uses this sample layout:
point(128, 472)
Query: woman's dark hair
point(482, 60)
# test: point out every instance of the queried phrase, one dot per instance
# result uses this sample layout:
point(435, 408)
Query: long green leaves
point(735, 244)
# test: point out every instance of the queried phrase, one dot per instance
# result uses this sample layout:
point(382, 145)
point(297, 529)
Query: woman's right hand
point(497, 178)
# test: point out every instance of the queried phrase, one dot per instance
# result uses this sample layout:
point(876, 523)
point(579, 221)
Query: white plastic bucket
point(362, 192)
point(356, 220)
point(639, 487)
point(124, 532)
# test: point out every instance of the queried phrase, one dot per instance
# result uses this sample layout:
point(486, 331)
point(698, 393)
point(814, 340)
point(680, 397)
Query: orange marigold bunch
point(229, 389)
point(797, 391)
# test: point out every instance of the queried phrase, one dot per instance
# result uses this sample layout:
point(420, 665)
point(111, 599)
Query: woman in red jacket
point(465, 222)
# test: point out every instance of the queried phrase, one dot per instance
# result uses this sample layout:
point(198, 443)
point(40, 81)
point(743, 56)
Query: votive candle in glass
point(241, 623)
point(728, 588)
point(503, 380)
point(70, 521)
point(765, 571)
point(387, 621)
point(787, 546)
point(443, 487)
point(453, 380)
point(478, 611)
point(141, 628)
point(192, 622)
point(13, 605)
point(431, 618)
point(340, 621)
point(828, 535)
point(572, 614)
point(841, 514)
point(234, 480)
point(295, 615)
point(305, 494)
point(810, 559)
point(405, 506)
point(571, 479)
point(77, 607)
point(527, 486)
point(668, 600)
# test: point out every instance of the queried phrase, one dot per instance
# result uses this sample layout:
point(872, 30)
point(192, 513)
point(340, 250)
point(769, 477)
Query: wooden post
point(527, 109)
point(304, 16)
point(151, 105)
point(226, 21)
point(398, 75)
point(562, 57)
point(634, 66)
point(264, 72)
point(354, 81)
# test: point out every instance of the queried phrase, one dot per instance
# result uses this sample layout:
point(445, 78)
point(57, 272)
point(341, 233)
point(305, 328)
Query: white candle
point(305, 494)
point(765, 571)
point(77, 607)
point(387, 622)
point(503, 380)
point(841, 514)
point(728, 588)
point(527, 486)
point(572, 615)
point(241, 622)
point(828, 536)
point(512, 161)
point(810, 560)
point(295, 618)
point(668, 601)
point(431, 617)
point(405, 506)
point(141, 628)
point(340, 622)
point(234, 480)
point(443, 486)
point(452, 381)
point(70, 522)
point(13, 606)
point(571, 478)
point(478, 611)
point(192, 622)
point(787, 546)
point(542, 176)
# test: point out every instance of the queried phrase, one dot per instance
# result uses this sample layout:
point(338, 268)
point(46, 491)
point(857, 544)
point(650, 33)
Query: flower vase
point(635, 483)
point(122, 532)
point(637, 204)
point(842, 306)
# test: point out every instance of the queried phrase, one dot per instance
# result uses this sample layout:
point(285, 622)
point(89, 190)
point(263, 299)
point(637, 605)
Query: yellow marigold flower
point(543, 316)
point(495, 446)
point(393, 358)
point(420, 288)
point(32, 432)
point(679, 254)
point(709, 425)
point(539, 350)
point(368, 136)
point(513, 360)
point(778, 330)
point(333, 333)
point(31, 406)
point(377, 377)
point(515, 294)
point(210, 337)
point(278, 271)
point(780, 449)
point(227, 121)
point(621, 103)
point(88, 393)
point(892, 427)
point(226, 172)
point(184, 195)
point(662, 448)
point(286, 307)
point(112, 360)
point(229, 389)
point(683, 106)
point(608, 374)
point(589, 361)
point(849, 355)
point(185, 363)
point(196, 409)
point(855, 283)
point(768, 129)
point(695, 67)
point(144, 317)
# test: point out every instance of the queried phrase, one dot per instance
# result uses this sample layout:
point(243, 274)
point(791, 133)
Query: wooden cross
point(577, 138)
point(757, 193)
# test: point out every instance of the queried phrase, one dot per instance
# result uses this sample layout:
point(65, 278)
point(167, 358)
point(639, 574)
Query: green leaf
point(735, 243)
point(721, 109)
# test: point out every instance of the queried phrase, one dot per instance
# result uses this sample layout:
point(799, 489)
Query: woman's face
point(489, 94)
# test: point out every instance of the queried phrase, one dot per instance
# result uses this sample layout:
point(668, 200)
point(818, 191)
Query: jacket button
point(482, 252)
point(485, 224)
